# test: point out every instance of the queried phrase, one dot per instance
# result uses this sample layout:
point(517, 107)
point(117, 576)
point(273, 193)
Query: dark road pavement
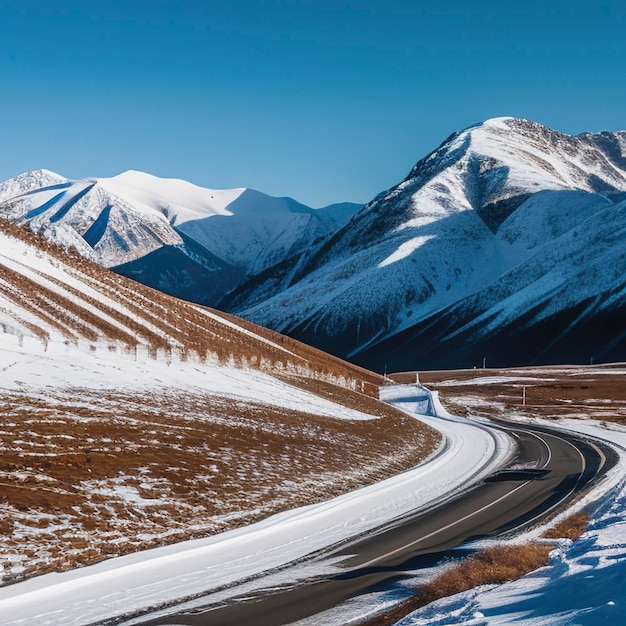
point(549, 468)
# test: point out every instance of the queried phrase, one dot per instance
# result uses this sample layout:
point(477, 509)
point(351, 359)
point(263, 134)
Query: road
point(549, 468)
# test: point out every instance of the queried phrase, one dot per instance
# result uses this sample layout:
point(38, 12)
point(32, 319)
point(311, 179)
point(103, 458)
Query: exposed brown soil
point(590, 392)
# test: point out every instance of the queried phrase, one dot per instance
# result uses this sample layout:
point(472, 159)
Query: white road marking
point(450, 525)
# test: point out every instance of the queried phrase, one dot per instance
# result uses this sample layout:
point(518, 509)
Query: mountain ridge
point(447, 231)
point(169, 233)
point(473, 219)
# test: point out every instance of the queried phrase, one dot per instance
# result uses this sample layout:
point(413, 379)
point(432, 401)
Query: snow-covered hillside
point(507, 226)
point(133, 419)
point(186, 240)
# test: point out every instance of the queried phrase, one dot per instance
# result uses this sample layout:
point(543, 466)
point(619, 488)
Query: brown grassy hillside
point(104, 453)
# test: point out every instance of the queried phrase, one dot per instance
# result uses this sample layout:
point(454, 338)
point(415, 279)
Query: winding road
point(546, 472)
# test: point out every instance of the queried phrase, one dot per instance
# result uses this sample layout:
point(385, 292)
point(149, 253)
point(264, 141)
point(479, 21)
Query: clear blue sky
point(321, 100)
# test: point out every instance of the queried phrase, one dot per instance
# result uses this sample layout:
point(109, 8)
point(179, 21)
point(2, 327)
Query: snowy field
point(257, 554)
point(152, 578)
point(133, 582)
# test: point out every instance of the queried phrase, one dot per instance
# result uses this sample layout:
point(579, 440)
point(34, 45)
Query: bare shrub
point(495, 565)
point(570, 528)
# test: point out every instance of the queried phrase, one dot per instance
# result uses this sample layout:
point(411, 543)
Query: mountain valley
point(503, 246)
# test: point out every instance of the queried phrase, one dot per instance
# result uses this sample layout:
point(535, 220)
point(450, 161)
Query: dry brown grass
point(165, 323)
point(570, 528)
point(595, 392)
point(495, 565)
point(85, 475)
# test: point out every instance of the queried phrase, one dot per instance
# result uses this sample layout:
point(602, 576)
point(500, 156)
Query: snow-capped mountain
point(505, 243)
point(186, 240)
point(31, 181)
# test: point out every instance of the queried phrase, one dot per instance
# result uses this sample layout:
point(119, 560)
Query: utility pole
point(524, 395)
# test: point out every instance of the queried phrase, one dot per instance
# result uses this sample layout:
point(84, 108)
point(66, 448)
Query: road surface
point(549, 468)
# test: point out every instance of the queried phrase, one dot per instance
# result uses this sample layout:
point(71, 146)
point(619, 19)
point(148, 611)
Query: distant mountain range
point(185, 240)
point(505, 245)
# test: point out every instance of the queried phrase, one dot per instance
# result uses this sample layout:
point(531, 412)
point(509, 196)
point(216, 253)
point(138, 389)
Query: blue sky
point(324, 100)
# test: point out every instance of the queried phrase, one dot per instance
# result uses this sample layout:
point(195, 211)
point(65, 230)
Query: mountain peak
point(481, 214)
point(30, 181)
point(40, 174)
point(500, 119)
point(502, 123)
point(137, 178)
point(188, 240)
point(527, 156)
point(47, 173)
point(174, 195)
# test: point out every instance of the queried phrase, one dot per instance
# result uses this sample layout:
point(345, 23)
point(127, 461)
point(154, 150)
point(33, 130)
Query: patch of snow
point(491, 380)
point(120, 369)
point(405, 249)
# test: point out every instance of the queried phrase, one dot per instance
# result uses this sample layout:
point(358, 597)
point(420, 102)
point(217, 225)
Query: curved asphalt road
point(549, 469)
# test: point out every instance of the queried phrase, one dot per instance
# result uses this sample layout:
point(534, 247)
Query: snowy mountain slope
point(565, 303)
point(171, 234)
point(133, 419)
point(490, 202)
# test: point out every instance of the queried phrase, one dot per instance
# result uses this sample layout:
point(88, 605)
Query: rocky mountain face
point(506, 244)
point(188, 241)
